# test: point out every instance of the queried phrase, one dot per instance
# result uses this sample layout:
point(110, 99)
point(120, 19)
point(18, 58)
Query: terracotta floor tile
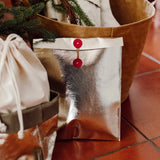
point(146, 65)
point(145, 151)
point(85, 150)
point(157, 142)
point(143, 105)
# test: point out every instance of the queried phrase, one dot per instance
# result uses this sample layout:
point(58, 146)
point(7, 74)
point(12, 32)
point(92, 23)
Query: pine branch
point(47, 36)
point(29, 25)
point(59, 8)
point(38, 7)
point(81, 14)
point(22, 22)
point(72, 9)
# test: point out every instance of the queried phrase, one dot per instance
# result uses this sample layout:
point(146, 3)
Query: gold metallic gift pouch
point(90, 96)
point(28, 123)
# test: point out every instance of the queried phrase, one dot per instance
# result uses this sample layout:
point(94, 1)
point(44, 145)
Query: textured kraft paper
point(134, 17)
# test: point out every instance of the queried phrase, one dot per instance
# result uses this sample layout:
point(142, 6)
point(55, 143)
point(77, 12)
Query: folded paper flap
point(88, 43)
point(31, 116)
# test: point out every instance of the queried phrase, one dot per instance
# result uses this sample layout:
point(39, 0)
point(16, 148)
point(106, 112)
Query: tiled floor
point(140, 127)
point(140, 115)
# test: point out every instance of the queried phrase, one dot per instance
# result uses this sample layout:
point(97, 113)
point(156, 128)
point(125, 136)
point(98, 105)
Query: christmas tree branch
point(72, 9)
point(22, 22)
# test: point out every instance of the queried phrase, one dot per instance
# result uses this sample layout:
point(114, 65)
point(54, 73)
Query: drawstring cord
point(3, 127)
point(9, 66)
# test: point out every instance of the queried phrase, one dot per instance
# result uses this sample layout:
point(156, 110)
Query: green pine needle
point(9, 23)
point(78, 10)
point(81, 14)
point(59, 8)
point(28, 12)
point(22, 22)
point(38, 7)
point(29, 25)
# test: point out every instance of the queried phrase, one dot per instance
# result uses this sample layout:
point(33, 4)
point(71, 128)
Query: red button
point(77, 43)
point(77, 62)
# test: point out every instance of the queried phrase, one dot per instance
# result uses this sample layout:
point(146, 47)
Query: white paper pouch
point(99, 12)
point(23, 79)
point(90, 96)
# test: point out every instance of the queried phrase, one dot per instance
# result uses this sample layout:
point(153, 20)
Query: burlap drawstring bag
point(134, 18)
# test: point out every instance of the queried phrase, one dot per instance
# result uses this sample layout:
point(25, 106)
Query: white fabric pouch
point(23, 79)
point(99, 11)
point(90, 96)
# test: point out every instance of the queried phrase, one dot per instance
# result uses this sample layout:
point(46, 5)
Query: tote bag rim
point(74, 25)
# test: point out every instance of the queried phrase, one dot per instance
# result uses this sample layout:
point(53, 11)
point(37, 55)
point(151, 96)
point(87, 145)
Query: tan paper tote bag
point(134, 17)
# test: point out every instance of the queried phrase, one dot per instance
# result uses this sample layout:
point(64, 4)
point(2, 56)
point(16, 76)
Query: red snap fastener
point(77, 43)
point(77, 62)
